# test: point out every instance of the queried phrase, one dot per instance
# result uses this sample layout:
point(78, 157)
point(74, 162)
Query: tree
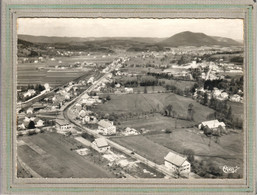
point(108, 97)
point(145, 89)
point(190, 155)
point(169, 109)
point(31, 125)
point(190, 112)
point(205, 99)
point(229, 114)
point(175, 115)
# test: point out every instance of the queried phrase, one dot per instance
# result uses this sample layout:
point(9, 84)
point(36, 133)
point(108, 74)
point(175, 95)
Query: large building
point(106, 127)
point(177, 163)
point(100, 145)
point(213, 125)
point(62, 125)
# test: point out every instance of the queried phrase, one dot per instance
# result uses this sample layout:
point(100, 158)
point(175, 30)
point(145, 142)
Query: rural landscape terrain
point(130, 107)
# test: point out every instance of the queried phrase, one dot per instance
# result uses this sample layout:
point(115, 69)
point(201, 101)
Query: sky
point(99, 27)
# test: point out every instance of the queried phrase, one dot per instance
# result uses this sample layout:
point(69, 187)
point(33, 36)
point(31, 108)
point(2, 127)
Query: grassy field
point(237, 109)
point(140, 103)
point(228, 151)
point(144, 147)
point(179, 84)
point(51, 157)
point(155, 123)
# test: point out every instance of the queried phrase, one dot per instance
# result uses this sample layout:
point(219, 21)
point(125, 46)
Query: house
point(128, 90)
point(47, 87)
point(82, 113)
point(62, 125)
point(176, 163)
point(88, 101)
point(78, 107)
point(106, 127)
point(29, 93)
point(39, 123)
point(235, 98)
point(91, 80)
point(100, 145)
point(89, 119)
point(117, 85)
point(30, 110)
point(130, 131)
point(213, 125)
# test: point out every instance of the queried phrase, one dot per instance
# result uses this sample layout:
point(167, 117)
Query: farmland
point(155, 122)
point(51, 156)
point(227, 151)
point(141, 103)
point(39, 73)
point(144, 147)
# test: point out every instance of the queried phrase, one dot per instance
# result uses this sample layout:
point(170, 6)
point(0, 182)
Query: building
point(177, 163)
point(128, 90)
point(82, 113)
point(213, 125)
point(100, 145)
point(106, 127)
point(62, 125)
point(89, 119)
point(39, 123)
point(235, 98)
point(30, 110)
point(29, 93)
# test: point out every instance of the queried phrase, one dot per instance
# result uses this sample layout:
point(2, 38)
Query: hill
point(188, 38)
point(55, 39)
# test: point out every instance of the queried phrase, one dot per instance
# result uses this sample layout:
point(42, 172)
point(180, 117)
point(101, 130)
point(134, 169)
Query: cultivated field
point(144, 147)
point(50, 155)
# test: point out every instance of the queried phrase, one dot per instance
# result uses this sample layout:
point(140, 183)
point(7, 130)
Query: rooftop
point(105, 124)
point(61, 122)
point(101, 142)
point(175, 159)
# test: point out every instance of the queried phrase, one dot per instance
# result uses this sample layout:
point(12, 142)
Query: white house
point(130, 131)
point(89, 119)
point(30, 110)
point(82, 113)
point(62, 125)
point(213, 124)
point(235, 98)
point(39, 123)
point(91, 80)
point(106, 127)
point(47, 87)
point(177, 163)
point(100, 145)
point(29, 93)
point(128, 90)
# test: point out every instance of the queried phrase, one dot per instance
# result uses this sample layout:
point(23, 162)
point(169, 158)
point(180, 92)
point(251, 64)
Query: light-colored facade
point(100, 145)
point(106, 127)
point(62, 125)
point(177, 163)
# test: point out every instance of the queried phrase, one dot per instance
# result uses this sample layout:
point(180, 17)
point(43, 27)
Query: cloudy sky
point(84, 27)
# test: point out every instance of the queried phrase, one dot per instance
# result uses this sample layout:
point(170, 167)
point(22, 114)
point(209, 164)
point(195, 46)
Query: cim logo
point(227, 169)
